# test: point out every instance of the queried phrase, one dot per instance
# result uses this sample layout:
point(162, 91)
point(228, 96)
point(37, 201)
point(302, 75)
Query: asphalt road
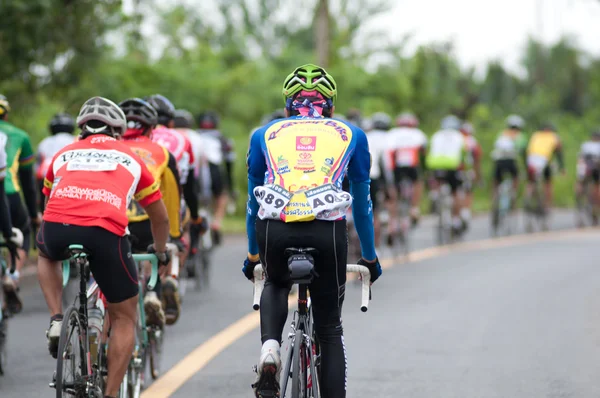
point(508, 322)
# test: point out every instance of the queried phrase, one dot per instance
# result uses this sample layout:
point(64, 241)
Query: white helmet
point(100, 115)
point(515, 122)
point(450, 122)
point(467, 128)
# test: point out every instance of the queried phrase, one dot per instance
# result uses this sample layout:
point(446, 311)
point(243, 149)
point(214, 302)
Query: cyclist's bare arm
point(159, 218)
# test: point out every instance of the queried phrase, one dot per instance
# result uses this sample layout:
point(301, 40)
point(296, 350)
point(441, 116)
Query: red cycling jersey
point(92, 181)
point(179, 145)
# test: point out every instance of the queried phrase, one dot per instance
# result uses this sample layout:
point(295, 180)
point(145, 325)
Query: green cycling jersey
point(19, 154)
point(510, 144)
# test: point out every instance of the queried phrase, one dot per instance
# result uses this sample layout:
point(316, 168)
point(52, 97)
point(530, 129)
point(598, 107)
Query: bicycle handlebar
point(364, 272)
point(365, 275)
point(154, 261)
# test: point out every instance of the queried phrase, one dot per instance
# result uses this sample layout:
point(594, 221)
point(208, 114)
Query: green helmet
point(310, 77)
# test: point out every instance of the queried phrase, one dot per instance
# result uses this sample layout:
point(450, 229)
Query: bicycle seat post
point(302, 299)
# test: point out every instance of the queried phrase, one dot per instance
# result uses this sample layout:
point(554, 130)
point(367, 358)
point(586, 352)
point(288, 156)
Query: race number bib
point(272, 200)
point(87, 164)
point(328, 202)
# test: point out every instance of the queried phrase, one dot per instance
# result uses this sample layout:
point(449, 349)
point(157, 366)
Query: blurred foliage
point(56, 54)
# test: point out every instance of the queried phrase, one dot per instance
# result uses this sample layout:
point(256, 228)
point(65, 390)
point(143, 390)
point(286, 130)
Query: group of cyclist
point(130, 180)
point(453, 156)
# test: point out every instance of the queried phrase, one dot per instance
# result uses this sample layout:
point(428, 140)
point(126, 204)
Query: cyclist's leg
point(548, 191)
point(273, 238)
point(20, 219)
point(327, 295)
point(595, 177)
point(115, 272)
point(141, 238)
point(414, 175)
point(52, 240)
point(220, 200)
point(453, 179)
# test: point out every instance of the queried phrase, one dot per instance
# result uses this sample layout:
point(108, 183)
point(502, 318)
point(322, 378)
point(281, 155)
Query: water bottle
point(95, 325)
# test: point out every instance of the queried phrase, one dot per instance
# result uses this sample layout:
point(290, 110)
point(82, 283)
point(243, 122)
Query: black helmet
point(354, 116)
point(183, 118)
point(208, 120)
point(138, 110)
point(381, 121)
point(62, 123)
point(548, 126)
point(164, 108)
point(4, 105)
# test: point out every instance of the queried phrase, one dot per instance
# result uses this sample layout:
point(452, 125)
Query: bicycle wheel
point(70, 364)
point(315, 366)
point(154, 351)
point(299, 380)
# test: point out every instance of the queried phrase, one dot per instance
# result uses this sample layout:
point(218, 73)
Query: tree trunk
point(322, 33)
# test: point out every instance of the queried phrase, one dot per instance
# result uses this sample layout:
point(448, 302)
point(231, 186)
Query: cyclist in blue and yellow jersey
point(19, 178)
point(295, 170)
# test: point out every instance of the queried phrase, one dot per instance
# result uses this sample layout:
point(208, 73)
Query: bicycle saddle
point(301, 264)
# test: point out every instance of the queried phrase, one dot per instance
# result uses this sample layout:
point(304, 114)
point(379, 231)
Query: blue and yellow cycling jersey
point(295, 172)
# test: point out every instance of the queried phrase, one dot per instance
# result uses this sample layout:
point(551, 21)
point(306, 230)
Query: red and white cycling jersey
point(92, 181)
point(179, 145)
point(50, 147)
point(404, 145)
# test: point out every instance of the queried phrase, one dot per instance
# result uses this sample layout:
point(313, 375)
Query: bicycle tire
point(286, 375)
point(71, 326)
point(315, 366)
point(155, 340)
point(299, 367)
point(3, 337)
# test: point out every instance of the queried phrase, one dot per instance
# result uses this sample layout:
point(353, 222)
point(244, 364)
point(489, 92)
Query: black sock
point(56, 317)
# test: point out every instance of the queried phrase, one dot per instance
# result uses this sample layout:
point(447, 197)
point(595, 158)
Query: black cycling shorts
point(546, 173)
point(502, 167)
point(330, 238)
point(216, 180)
point(19, 217)
point(140, 236)
point(110, 257)
point(412, 173)
point(452, 177)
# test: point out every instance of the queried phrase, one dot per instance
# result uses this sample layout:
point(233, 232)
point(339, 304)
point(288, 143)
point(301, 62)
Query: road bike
point(444, 231)
point(148, 338)
point(303, 361)
point(536, 213)
point(81, 361)
point(198, 262)
point(587, 210)
point(503, 222)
